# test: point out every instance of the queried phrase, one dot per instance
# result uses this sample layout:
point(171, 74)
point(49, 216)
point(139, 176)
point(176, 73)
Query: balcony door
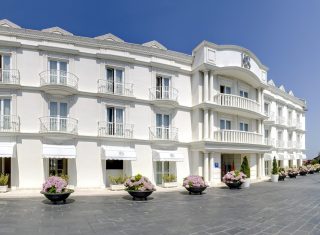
point(163, 87)
point(162, 126)
point(225, 89)
point(115, 81)
point(4, 68)
point(58, 72)
point(5, 112)
point(115, 121)
point(58, 116)
point(225, 124)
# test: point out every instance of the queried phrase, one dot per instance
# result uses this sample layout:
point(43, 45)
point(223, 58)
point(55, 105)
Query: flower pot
point(303, 173)
point(4, 189)
point(274, 178)
point(311, 172)
point(58, 197)
point(246, 184)
point(234, 185)
point(140, 194)
point(117, 187)
point(292, 175)
point(170, 184)
point(282, 177)
point(195, 190)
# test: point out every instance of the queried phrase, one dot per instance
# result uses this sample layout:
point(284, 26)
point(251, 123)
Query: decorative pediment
point(271, 83)
point(282, 88)
point(57, 30)
point(291, 93)
point(109, 37)
point(154, 44)
point(8, 23)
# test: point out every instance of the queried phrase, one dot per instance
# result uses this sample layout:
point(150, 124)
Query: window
point(266, 108)
point(114, 164)
point(58, 116)
point(115, 81)
point(115, 121)
point(279, 135)
point(225, 90)
point(266, 133)
point(58, 167)
point(162, 126)
point(5, 114)
point(244, 126)
point(267, 167)
point(279, 111)
point(4, 68)
point(225, 124)
point(58, 72)
point(163, 87)
point(244, 94)
point(164, 168)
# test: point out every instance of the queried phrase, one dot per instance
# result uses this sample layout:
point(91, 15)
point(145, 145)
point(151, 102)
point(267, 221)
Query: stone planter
point(117, 187)
point(311, 172)
point(282, 177)
point(195, 190)
point(303, 173)
point(58, 197)
point(3, 188)
point(292, 175)
point(170, 184)
point(140, 194)
point(246, 184)
point(234, 185)
point(274, 178)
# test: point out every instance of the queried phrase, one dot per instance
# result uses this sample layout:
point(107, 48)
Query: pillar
point(259, 166)
point(205, 122)
point(211, 167)
point(211, 124)
point(216, 168)
point(205, 86)
point(206, 167)
point(253, 166)
point(211, 90)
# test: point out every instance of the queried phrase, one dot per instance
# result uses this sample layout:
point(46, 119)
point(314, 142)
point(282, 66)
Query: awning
point(58, 151)
point(6, 149)
point(161, 155)
point(118, 153)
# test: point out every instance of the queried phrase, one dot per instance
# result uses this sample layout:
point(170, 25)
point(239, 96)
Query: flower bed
point(55, 189)
point(234, 179)
point(194, 184)
point(139, 187)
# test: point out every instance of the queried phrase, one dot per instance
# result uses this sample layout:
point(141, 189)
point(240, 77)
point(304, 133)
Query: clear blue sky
point(284, 34)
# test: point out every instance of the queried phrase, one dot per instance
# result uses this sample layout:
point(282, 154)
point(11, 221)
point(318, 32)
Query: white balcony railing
point(280, 144)
point(291, 122)
point(299, 145)
point(299, 125)
point(235, 136)
point(58, 125)
point(163, 93)
point(56, 77)
point(280, 120)
point(290, 144)
point(114, 88)
point(9, 123)
point(163, 133)
point(111, 129)
point(237, 102)
point(268, 141)
point(270, 115)
point(9, 76)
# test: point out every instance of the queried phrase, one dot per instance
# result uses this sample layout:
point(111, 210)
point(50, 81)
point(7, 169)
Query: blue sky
point(283, 34)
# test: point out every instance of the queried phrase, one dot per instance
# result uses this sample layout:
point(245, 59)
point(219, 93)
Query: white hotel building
point(94, 107)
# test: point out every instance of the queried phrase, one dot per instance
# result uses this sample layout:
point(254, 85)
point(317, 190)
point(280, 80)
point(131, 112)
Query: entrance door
point(164, 169)
point(58, 72)
point(5, 167)
point(162, 126)
point(58, 116)
point(4, 68)
point(58, 167)
point(162, 87)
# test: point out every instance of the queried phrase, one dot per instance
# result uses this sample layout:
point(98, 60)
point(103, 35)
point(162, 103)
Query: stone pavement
point(290, 207)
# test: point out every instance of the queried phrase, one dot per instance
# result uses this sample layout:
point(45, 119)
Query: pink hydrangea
point(194, 181)
point(54, 184)
point(139, 183)
point(234, 176)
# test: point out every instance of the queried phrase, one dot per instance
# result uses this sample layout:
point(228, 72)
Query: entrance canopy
point(58, 151)
point(118, 153)
point(161, 155)
point(6, 149)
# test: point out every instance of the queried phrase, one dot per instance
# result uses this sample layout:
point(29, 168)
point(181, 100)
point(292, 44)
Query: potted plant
point(282, 174)
point(139, 187)
point(194, 184)
point(234, 179)
point(246, 170)
point(169, 181)
point(316, 167)
point(55, 189)
point(293, 172)
point(303, 170)
point(310, 169)
point(117, 182)
point(274, 174)
point(4, 179)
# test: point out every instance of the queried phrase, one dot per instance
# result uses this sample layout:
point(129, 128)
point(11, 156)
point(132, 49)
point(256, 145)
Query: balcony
point(239, 137)
point(299, 126)
point(244, 105)
point(163, 135)
point(9, 77)
point(280, 144)
point(119, 130)
point(59, 82)
point(271, 117)
point(280, 121)
point(59, 125)
point(111, 88)
point(290, 144)
point(9, 124)
point(164, 96)
point(268, 141)
point(291, 123)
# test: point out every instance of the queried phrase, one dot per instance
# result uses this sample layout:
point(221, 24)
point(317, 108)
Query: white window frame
point(225, 123)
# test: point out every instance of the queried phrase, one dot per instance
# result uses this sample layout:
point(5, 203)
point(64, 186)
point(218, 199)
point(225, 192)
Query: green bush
point(117, 179)
point(4, 179)
point(169, 178)
point(314, 161)
point(274, 167)
point(245, 167)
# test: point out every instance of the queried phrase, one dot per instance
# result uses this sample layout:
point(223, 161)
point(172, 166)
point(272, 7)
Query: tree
point(245, 167)
point(274, 166)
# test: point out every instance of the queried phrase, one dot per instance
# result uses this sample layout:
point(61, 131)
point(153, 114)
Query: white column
point(258, 166)
point(211, 87)
point(262, 166)
point(262, 101)
point(205, 86)
point(205, 122)
point(253, 166)
point(211, 124)
point(206, 167)
point(211, 167)
point(216, 171)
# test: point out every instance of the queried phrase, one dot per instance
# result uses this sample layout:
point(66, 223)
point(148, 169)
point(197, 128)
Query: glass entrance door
point(163, 169)
point(58, 167)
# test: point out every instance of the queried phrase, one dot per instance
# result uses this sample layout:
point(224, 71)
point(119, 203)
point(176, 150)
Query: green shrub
point(245, 167)
point(314, 161)
point(4, 179)
point(274, 167)
point(117, 179)
point(169, 178)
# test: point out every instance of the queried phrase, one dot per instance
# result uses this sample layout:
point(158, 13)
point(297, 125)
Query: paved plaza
point(290, 207)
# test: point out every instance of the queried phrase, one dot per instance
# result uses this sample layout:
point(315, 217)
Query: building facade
point(91, 108)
